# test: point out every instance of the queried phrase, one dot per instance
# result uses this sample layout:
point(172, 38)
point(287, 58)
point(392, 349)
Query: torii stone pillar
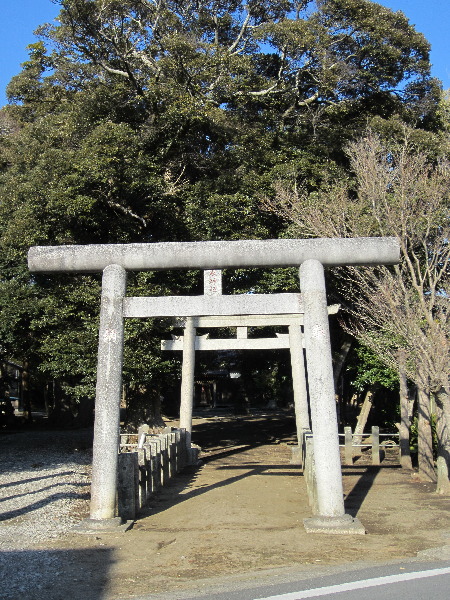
point(299, 380)
point(330, 496)
point(187, 379)
point(109, 389)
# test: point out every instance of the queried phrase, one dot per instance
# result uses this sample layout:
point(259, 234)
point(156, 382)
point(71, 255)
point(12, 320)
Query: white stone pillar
point(187, 379)
point(299, 380)
point(330, 499)
point(109, 391)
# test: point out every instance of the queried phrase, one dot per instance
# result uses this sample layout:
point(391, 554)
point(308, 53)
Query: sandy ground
point(240, 514)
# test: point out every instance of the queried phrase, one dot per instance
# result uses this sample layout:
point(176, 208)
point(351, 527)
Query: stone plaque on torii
point(311, 256)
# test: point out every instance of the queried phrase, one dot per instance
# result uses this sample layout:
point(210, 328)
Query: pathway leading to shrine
point(239, 516)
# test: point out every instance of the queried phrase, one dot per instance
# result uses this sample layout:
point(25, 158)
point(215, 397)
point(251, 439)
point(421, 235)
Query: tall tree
point(161, 120)
point(397, 191)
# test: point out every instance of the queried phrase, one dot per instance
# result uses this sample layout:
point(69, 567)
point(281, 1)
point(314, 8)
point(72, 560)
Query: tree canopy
point(144, 121)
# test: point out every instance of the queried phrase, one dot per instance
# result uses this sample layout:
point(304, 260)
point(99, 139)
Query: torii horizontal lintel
point(214, 254)
point(271, 320)
point(196, 306)
point(204, 343)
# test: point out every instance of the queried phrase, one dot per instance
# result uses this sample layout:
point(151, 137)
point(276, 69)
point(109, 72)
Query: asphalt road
point(401, 581)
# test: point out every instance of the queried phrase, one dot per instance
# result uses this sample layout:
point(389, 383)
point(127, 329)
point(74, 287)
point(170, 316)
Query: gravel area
point(44, 485)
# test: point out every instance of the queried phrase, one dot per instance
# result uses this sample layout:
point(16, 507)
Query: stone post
point(187, 380)
point(376, 459)
point(299, 385)
point(108, 395)
point(128, 486)
point(331, 515)
point(348, 452)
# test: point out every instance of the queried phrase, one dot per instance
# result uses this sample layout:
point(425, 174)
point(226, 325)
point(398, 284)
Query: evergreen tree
point(145, 121)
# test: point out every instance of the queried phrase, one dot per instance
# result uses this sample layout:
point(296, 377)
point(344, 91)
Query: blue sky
point(19, 18)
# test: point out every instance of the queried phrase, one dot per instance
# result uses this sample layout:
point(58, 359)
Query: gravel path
point(44, 485)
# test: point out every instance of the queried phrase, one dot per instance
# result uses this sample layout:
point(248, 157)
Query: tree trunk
point(26, 396)
point(405, 424)
point(364, 413)
point(143, 407)
point(443, 433)
point(339, 361)
point(425, 437)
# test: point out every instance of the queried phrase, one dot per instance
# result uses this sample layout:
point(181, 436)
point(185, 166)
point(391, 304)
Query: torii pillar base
point(98, 526)
point(345, 524)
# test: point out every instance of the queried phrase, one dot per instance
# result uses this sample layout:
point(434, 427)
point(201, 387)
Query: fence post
point(177, 450)
point(172, 453)
point(128, 486)
point(375, 445)
point(144, 487)
point(155, 445)
point(164, 459)
point(309, 470)
point(348, 450)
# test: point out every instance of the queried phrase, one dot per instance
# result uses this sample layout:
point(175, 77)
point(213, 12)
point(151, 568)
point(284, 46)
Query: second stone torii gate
point(189, 343)
point(310, 255)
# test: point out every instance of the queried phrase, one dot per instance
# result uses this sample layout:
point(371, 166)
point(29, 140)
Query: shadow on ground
point(251, 430)
point(50, 574)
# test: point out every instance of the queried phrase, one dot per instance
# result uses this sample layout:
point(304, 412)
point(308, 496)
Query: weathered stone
point(204, 343)
point(214, 255)
point(348, 445)
point(187, 381)
point(344, 524)
point(250, 320)
point(98, 526)
point(310, 254)
point(299, 380)
point(443, 483)
point(321, 391)
point(186, 306)
point(108, 396)
point(128, 486)
point(376, 458)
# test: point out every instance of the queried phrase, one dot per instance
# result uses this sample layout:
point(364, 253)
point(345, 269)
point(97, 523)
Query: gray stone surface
point(321, 391)
point(203, 342)
point(250, 320)
point(115, 259)
point(99, 526)
point(215, 255)
point(345, 525)
point(187, 381)
point(108, 395)
point(299, 380)
point(187, 306)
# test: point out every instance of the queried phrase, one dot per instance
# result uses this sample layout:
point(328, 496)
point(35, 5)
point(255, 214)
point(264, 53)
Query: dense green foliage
point(153, 121)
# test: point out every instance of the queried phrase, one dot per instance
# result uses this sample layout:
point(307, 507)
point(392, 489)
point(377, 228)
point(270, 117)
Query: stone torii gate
point(309, 255)
point(189, 342)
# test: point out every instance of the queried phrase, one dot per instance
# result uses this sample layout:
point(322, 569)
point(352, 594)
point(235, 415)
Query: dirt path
point(242, 512)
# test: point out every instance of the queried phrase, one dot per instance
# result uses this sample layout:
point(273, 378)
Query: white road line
point(357, 585)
